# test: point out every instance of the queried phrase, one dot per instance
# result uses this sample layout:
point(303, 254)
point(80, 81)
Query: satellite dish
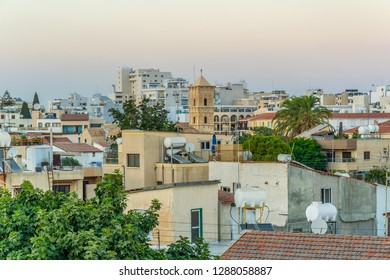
point(319, 226)
point(13, 152)
point(36, 106)
point(189, 147)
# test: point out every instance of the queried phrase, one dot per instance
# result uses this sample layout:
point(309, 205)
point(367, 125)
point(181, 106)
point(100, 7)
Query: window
point(194, 102)
point(326, 195)
point(205, 145)
point(225, 189)
point(193, 120)
point(132, 160)
point(205, 102)
point(13, 117)
point(205, 119)
point(63, 189)
point(196, 224)
point(236, 186)
point(40, 124)
point(366, 155)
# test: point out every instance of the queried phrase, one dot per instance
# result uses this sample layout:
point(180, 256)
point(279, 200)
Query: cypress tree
point(25, 112)
point(36, 99)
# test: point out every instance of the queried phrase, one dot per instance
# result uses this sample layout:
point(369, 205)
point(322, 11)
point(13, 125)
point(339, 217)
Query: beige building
point(201, 105)
point(147, 162)
point(188, 210)
point(260, 120)
point(352, 155)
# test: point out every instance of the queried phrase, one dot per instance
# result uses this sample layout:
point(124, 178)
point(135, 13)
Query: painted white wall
point(381, 208)
point(272, 177)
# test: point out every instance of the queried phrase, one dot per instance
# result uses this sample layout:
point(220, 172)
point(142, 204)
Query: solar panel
point(262, 227)
point(180, 159)
point(195, 158)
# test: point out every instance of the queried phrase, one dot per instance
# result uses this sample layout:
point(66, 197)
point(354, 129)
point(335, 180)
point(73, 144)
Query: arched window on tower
point(193, 120)
point(194, 101)
point(205, 119)
point(205, 102)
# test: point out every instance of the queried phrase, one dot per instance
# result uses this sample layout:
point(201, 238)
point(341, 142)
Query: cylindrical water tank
point(363, 130)
point(284, 158)
point(252, 197)
point(318, 210)
point(5, 139)
point(174, 142)
point(173, 152)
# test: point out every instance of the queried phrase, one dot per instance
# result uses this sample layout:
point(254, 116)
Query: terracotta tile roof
point(225, 197)
point(46, 140)
point(263, 116)
point(74, 117)
point(259, 245)
point(96, 131)
point(361, 115)
point(77, 147)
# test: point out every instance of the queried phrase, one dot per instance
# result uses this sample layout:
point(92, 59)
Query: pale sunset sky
point(57, 47)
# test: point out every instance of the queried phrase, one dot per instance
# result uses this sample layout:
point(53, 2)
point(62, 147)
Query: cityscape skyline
point(59, 47)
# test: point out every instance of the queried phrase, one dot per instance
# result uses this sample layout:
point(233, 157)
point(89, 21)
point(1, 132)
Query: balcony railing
point(339, 159)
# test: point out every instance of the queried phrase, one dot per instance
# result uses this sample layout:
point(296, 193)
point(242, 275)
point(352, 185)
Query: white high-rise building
point(130, 83)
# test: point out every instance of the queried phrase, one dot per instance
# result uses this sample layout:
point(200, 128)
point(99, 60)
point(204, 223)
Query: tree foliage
point(25, 111)
point(298, 115)
point(46, 226)
point(142, 116)
point(265, 131)
point(36, 99)
point(308, 152)
point(69, 161)
point(376, 175)
point(7, 100)
point(266, 148)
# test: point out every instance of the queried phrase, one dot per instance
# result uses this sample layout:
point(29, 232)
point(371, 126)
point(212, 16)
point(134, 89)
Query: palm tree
point(299, 114)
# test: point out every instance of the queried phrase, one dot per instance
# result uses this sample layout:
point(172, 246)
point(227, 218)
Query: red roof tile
point(225, 197)
point(361, 115)
point(259, 245)
point(74, 117)
point(263, 116)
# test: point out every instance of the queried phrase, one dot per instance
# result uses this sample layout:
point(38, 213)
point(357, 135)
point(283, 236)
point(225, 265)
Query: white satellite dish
point(37, 106)
point(13, 152)
point(189, 147)
point(319, 226)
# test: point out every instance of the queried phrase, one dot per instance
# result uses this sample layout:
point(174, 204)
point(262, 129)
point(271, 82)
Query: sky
point(58, 47)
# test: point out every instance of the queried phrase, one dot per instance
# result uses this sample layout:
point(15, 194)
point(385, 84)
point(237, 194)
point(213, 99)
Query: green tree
point(46, 226)
point(308, 152)
point(266, 148)
point(36, 99)
point(265, 131)
point(299, 114)
point(376, 175)
point(7, 100)
point(69, 161)
point(25, 111)
point(142, 116)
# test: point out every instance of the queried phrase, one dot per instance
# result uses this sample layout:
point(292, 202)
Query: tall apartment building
point(130, 83)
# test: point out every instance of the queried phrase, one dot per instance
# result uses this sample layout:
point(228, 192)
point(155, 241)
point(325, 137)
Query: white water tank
point(373, 128)
point(5, 139)
point(250, 197)
point(318, 210)
point(174, 142)
point(363, 130)
point(284, 158)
